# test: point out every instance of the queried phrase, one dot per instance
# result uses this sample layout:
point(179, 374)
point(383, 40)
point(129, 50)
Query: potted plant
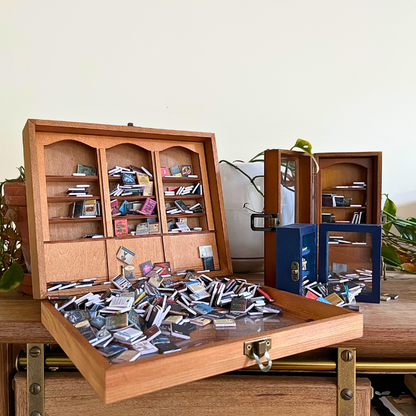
point(12, 267)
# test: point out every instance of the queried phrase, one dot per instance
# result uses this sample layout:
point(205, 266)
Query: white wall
point(260, 74)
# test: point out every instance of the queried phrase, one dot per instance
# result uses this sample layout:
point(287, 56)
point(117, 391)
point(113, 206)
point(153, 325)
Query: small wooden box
point(58, 252)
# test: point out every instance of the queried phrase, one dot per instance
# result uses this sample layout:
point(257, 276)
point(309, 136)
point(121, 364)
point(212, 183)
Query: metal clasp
point(258, 349)
point(271, 220)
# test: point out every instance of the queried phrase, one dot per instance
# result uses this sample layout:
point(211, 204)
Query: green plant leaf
point(390, 210)
point(390, 256)
point(305, 146)
point(12, 278)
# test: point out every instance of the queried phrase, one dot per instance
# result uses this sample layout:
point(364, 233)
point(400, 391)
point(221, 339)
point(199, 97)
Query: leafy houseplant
point(11, 259)
point(399, 247)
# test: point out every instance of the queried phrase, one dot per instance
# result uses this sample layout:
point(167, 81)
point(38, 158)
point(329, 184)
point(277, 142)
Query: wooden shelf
point(180, 179)
point(185, 215)
point(133, 217)
point(73, 220)
point(349, 246)
point(329, 208)
point(175, 197)
point(343, 189)
point(60, 199)
point(70, 178)
point(131, 198)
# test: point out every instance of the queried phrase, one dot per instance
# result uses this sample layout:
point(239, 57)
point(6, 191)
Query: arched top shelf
point(63, 157)
point(343, 174)
point(186, 159)
point(127, 154)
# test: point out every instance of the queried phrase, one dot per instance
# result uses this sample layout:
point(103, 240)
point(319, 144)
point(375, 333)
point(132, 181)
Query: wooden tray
point(304, 325)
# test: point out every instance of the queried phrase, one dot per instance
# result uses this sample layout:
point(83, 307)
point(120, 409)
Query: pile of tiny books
point(153, 315)
point(184, 190)
point(179, 207)
point(342, 287)
point(136, 181)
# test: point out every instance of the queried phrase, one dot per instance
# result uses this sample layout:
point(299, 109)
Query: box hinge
point(346, 381)
point(258, 349)
point(271, 222)
point(295, 271)
point(35, 380)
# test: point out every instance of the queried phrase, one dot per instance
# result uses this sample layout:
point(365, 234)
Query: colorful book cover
point(186, 170)
point(175, 171)
point(120, 227)
point(154, 227)
point(148, 207)
point(164, 171)
point(125, 255)
point(142, 179)
point(129, 179)
point(146, 267)
point(114, 208)
point(166, 267)
point(148, 190)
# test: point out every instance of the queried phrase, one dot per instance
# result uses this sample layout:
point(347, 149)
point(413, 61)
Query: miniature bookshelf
point(338, 172)
point(52, 152)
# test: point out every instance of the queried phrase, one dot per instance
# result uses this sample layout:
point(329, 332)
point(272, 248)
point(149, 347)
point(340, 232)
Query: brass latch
point(258, 349)
point(295, 271)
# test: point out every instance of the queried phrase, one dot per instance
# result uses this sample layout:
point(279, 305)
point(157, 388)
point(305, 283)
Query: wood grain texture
point(119, 382)
point(74, 261)
point(183, 253)
point(6, 376)
point(150, 248)
point(226, 395)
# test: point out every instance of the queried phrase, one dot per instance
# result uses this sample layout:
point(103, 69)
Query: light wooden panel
point(145, 248)
point(76, 260)
point(225, 395)
point(63, 157)
point(72, 231)
point(182, 250)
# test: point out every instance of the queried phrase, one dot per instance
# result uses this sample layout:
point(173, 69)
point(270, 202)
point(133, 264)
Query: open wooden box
point(58, 252)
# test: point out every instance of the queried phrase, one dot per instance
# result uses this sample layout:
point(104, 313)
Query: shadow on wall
point(407, 210)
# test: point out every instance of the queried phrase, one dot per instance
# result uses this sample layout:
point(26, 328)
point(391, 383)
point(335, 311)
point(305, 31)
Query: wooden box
point(52, 150)
point(293, 173)
point(58, 252)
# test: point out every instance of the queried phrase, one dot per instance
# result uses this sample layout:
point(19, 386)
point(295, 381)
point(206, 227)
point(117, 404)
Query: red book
point(164, 171)
point(120, 227)
point(311, 295)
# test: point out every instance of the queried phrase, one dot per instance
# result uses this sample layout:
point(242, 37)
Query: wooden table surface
point(389, 327)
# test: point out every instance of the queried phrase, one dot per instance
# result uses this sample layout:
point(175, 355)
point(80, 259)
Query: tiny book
point(89, 208)
point(175, 171)
point(142, 228)
point(142, 178)
point(181, 205)
point(129, 271)
point(114, 208)
point(126, 356)
point(145, 347)
point(120, 282)
point(146, 267)
point(128, 179)
point(186, 170)
point(125, 255)
point(167, 347)
point(121, 227)
point(148, 207)
point(87, 170)
point(163, 171)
